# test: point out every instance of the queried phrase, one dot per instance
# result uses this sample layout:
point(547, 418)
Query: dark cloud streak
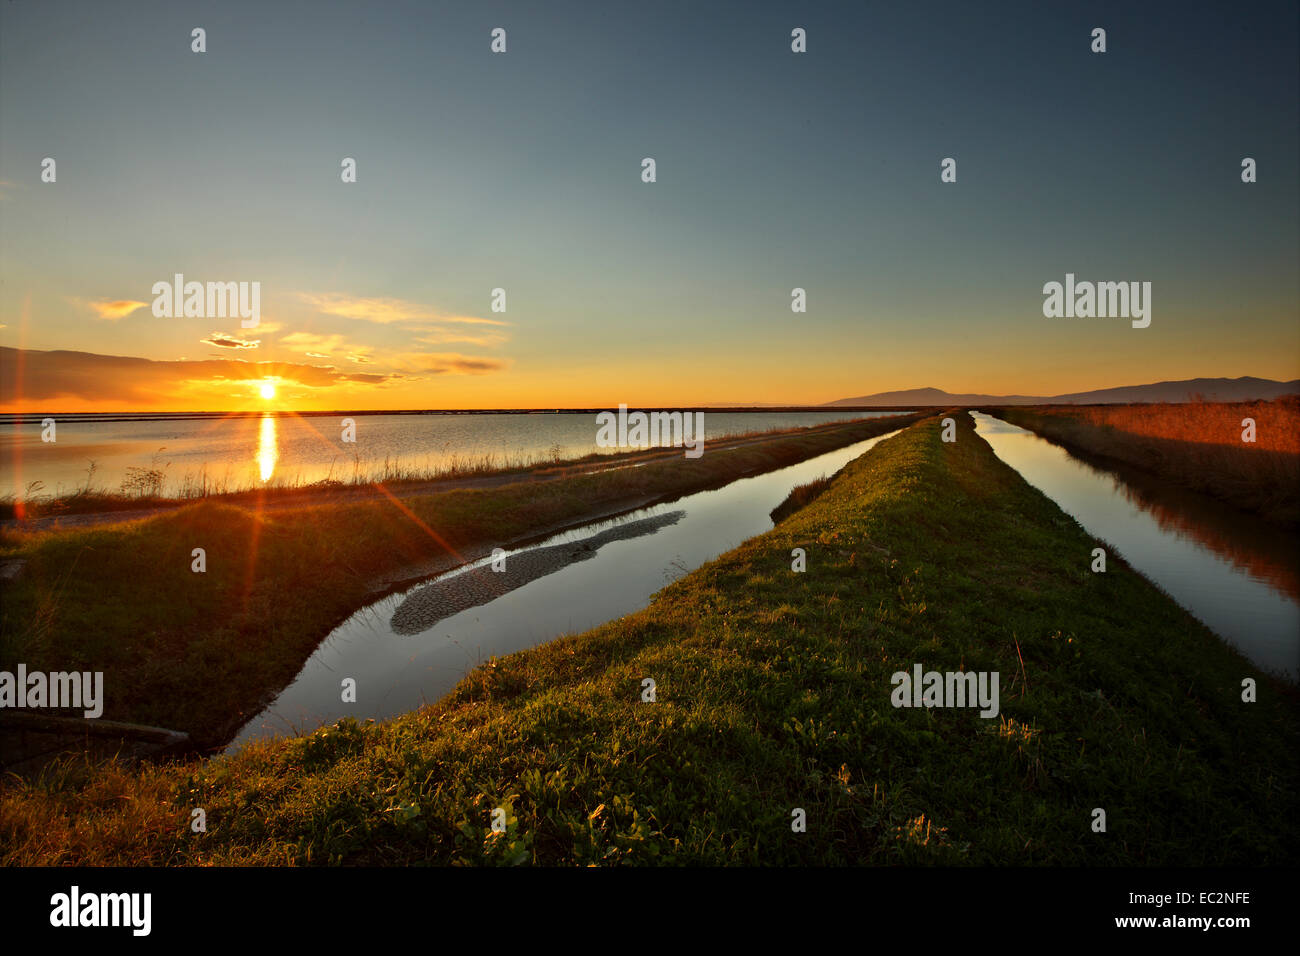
point(61, 374)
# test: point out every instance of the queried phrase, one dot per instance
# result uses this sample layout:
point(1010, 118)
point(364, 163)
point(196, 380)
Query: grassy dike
point(202, 653)
point(773, 692)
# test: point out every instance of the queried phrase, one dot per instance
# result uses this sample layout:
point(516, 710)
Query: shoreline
point(84, 509)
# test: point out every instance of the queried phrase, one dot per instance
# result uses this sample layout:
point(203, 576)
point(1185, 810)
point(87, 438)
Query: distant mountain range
point(1211, 389)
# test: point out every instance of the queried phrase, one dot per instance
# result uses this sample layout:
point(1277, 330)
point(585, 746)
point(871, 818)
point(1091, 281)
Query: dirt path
point(289, 499)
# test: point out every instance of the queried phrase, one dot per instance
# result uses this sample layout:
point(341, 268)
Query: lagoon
point(232, 453)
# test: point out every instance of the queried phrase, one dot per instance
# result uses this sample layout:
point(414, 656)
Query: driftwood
point(30, 740)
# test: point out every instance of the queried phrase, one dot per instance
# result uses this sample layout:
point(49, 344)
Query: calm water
point(403, 654)
point(241, 453)
point(1234, 572)
point(1237, 574)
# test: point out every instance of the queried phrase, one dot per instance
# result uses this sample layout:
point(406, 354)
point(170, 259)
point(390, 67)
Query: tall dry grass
point(1198, 445)
point(1277, 423)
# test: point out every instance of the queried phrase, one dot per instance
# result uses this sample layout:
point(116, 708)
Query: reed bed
point(1198, 445)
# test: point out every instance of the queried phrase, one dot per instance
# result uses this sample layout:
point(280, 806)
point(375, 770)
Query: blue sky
point(522, 171)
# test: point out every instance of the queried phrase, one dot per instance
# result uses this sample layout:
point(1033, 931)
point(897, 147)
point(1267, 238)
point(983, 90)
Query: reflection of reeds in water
point(1263, 551)
point(1198, 445)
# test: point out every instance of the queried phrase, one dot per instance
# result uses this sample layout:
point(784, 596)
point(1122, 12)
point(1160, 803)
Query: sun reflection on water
point(267, 450)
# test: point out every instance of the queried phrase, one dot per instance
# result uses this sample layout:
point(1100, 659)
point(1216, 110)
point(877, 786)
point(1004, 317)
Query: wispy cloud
point(118, 309)
point(385, 310)
point(334, 346)
point(313, 344)
point(441, 336)
point(91, 377)
point(223, 341)
point(441, 363)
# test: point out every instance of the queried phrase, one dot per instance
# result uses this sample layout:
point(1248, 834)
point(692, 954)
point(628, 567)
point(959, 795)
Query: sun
point(268, 390)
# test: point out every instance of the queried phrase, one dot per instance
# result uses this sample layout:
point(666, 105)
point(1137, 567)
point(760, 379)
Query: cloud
point(93, 378)
point(223, 341)
point(441, 363)
point(123, 380)
point(385, 310)
point(439, 336)
point(118, 309)
point(311, 343)
point(425, 324)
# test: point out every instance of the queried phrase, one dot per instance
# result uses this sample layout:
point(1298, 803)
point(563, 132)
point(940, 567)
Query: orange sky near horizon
point(763, 380)
point(346, 353)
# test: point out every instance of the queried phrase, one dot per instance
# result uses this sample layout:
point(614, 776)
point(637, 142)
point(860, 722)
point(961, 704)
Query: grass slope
point(773, 693)
point(202, 653)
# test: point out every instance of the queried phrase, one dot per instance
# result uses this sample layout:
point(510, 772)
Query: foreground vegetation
point(1197, 445)
point(202, 653)
point(773, 693)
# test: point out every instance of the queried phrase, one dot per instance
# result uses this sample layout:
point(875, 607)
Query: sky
point(522, 171)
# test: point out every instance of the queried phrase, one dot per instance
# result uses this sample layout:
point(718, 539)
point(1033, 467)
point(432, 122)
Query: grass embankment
point(202, 653)
point(1197, 445)
point(773, 693)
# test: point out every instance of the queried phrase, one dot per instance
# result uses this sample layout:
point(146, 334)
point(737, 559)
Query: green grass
point(202, 653)
point(773, 693)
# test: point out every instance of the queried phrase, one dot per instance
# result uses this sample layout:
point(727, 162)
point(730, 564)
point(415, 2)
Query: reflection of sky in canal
point(397, 672)
point(1239, 600)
